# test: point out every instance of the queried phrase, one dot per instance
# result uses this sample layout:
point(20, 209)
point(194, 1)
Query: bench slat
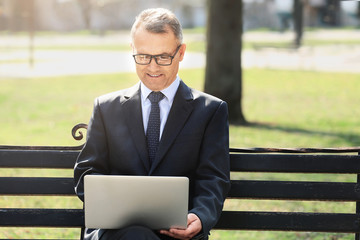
point(36, 186)
point(295, 163)
point(315, 222)
point(37, 159)
point(239, 162)
point(20, 217)
point(286, 190)
point(308, 222)
point(291, 190)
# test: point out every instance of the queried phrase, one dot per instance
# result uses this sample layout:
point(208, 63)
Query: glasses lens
point(163, 60)
point(142, 59)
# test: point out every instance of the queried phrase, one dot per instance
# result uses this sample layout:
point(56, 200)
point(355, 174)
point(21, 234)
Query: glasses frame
point(156, 56)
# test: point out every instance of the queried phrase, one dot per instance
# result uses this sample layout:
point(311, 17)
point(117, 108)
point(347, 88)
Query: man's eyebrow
point(164, 53)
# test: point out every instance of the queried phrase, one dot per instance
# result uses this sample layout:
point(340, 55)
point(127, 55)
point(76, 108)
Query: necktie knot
point(155, 97)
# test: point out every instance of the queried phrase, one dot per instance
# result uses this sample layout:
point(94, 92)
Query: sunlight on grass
point(286, 108)
point(39, 233)
point(263, 235)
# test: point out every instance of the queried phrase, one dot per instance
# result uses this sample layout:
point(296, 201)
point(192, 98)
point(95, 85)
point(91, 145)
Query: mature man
point(189, 137)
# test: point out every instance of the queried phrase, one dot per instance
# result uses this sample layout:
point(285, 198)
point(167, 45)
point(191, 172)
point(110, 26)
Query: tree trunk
point(223, 76)
point(298, 21)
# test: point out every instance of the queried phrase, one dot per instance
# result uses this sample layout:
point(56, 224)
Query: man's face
point(154, 76)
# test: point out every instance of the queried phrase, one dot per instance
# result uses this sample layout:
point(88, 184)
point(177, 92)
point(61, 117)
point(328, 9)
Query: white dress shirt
point(165, 104)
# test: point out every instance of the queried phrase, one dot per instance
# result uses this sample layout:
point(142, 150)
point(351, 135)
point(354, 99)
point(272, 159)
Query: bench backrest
point(294, 161)
point(41, 186)
point(242, 160)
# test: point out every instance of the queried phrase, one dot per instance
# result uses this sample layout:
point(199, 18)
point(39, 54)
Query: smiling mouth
point(154, 75)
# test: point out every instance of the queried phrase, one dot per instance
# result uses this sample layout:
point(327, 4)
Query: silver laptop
point(113, 202)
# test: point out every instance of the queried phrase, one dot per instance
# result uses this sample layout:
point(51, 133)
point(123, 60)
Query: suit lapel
point(179, 113)
point(132, 108)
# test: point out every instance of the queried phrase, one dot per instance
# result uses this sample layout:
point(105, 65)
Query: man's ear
point(182, 51)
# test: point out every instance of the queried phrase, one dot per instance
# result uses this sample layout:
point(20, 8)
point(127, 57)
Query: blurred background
point(99, 16)
point(295, 71)
point(34, 31)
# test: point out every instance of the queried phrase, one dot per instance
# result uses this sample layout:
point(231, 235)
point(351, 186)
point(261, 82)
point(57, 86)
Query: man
point(193, 131)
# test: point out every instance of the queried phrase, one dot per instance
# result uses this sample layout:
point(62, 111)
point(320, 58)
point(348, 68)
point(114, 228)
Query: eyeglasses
point(161, 59)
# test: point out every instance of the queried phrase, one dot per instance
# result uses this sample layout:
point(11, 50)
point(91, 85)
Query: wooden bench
point(336, 161)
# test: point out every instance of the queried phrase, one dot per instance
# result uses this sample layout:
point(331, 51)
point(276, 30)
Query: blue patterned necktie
point(153, 127)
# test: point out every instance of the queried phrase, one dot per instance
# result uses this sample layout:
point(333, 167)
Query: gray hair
point(156, 20)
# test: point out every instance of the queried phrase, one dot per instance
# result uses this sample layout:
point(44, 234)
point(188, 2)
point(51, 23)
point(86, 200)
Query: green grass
point(34, 110)
point(299, 109)
point(237, 235)
point(286, 109)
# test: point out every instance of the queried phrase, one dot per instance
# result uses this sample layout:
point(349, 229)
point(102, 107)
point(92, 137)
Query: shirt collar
point(169, 92)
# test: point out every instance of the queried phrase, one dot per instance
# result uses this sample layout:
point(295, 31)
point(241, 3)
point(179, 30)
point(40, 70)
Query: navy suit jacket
point(194, 143)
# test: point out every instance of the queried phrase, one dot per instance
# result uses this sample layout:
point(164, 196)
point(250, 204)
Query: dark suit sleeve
point(92, 159)
point(212, 181)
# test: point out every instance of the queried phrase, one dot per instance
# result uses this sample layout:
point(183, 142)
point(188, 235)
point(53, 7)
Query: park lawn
point(284, 109)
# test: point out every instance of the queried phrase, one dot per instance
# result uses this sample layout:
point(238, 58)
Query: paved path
point(13, 64)
point(57, 63)
point(328, 59)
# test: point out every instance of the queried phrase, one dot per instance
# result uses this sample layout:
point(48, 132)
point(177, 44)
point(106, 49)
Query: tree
point(223, 75)
point(298, 21)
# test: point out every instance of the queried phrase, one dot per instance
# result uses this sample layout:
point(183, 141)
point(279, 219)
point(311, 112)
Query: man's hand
point(193, 227)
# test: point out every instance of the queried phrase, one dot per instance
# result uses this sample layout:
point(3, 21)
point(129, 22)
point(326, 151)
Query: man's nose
point(153, 63)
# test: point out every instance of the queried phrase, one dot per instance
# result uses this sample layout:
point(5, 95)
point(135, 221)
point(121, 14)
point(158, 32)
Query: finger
point(183, 234)
point(194, 227)
point(178, 234)
point(173, 235)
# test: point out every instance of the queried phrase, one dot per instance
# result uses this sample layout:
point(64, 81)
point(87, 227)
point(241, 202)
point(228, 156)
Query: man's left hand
point(193, 227)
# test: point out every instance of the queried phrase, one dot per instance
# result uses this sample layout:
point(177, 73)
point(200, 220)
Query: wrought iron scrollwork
point(77, 128)
point(76, 134)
